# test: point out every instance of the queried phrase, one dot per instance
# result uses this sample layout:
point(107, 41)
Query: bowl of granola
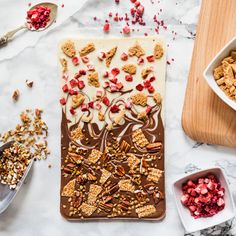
point(220, 74)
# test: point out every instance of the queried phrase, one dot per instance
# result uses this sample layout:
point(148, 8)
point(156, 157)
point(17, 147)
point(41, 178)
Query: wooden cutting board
point(205, 117)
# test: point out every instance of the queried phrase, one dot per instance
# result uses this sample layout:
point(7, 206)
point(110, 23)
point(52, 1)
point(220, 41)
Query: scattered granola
point(130, 69)
point(87, 49)
point(139, 99)
point(68, 48)
point(77, 134)
point(146, 71)
point(94, 156)
point(109, 55)
point(158, 51)
point(145, 211)
point(139, 138)
point(126, 185)
point(31, 132)
point(93, 79)
point(225, 75)
point(136, 50)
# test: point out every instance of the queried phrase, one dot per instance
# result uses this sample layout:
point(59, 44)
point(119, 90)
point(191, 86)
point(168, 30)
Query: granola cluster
point(225, 75)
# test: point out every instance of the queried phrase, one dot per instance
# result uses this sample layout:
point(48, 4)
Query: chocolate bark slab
point(112, 132)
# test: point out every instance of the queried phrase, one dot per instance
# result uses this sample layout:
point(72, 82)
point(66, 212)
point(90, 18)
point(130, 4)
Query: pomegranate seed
point(65, 88)
point(115, 71)
point(85, 59)
point(140, 10)
point(220, 202)
point(99, 93)
point(77, 75)
point(129, 78)
point(65, 76)
point(153, 78)
point(114, 80)
point(124, 56)
point(110, 14)
point(136, 4)
point(184, 198)
point(63, 101)
point(106, 27)
point(139, 87)
point(114, 109)
point(132, 11)
point(73, 83)
point(75, 61)
point(91, 104)
point(140, 60)
point(106, 101)
point(101, 56)
point(72, 111)
point(133, 1)
point(84, 107)
point(150, 58)
point(117, 1)
point(119, 85)
point(126, 30)
point(81, 84)
point(151, 89)
point(116, 18)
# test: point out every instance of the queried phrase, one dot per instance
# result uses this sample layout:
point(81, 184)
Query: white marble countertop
point(35, 210)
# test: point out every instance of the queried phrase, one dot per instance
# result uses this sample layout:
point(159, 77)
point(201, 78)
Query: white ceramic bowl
point(208, 73)
point(189, 222)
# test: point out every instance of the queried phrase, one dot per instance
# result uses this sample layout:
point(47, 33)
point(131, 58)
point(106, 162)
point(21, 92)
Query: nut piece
point(68, 48)
point(158, 51)
point(77, 100)
point(64, 65)
point(124, 146)
point(139, 138)
point(145, 211)
point(142, 115)
point(29, 83)
point(139, 99)
point(154, 147)
point(109, 55)
point(87, 49)
point(101, 116)
point(15, 95)
point(93, 79)
point(130, 69)
point(146, 71)
point(157, 98)
point(69, 189)
point(136, 50)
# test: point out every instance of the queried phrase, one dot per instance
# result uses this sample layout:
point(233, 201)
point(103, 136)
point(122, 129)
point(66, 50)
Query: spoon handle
point(9, 35)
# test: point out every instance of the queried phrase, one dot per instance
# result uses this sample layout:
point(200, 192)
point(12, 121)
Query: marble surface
point(35, 210)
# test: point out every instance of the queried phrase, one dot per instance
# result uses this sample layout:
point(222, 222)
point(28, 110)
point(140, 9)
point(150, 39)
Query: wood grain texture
point(206, 117)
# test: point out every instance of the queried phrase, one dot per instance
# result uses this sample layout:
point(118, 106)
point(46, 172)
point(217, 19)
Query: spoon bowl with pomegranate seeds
point(39, 17)
point(203, 199)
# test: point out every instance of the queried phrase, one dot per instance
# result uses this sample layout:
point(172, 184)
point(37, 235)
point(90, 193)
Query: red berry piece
point(114, 109)
point(82, 72)
point(63, 101)
point(114, 80)
point(73, 92)
point(84, 107)
point(115, 71)
point(139, 87)
point(75, 61)
point(119, 86)
point(113, 88)
point(81, 84)
point(128, 105)
point(65, 88)
point(73, 83)
point(99, 93)
point(133, 1)
point(150, 58)
point(72, 111)
point(124, 56)
point(91, 104)
point(106, 84)
point(106, 101)
point(146, 83)
point(140, 60)
point(129, 78)
point(151, 89)
point(153, 78)
point(148, 109)
point(140, 10)
point(85, 59)
point(126, 30)
point(106, 27)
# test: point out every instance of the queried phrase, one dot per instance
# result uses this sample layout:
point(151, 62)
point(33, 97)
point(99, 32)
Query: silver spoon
point(6, 194)
point(9, 35)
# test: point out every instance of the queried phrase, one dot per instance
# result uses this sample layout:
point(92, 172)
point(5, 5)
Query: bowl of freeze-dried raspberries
point(203, 199)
